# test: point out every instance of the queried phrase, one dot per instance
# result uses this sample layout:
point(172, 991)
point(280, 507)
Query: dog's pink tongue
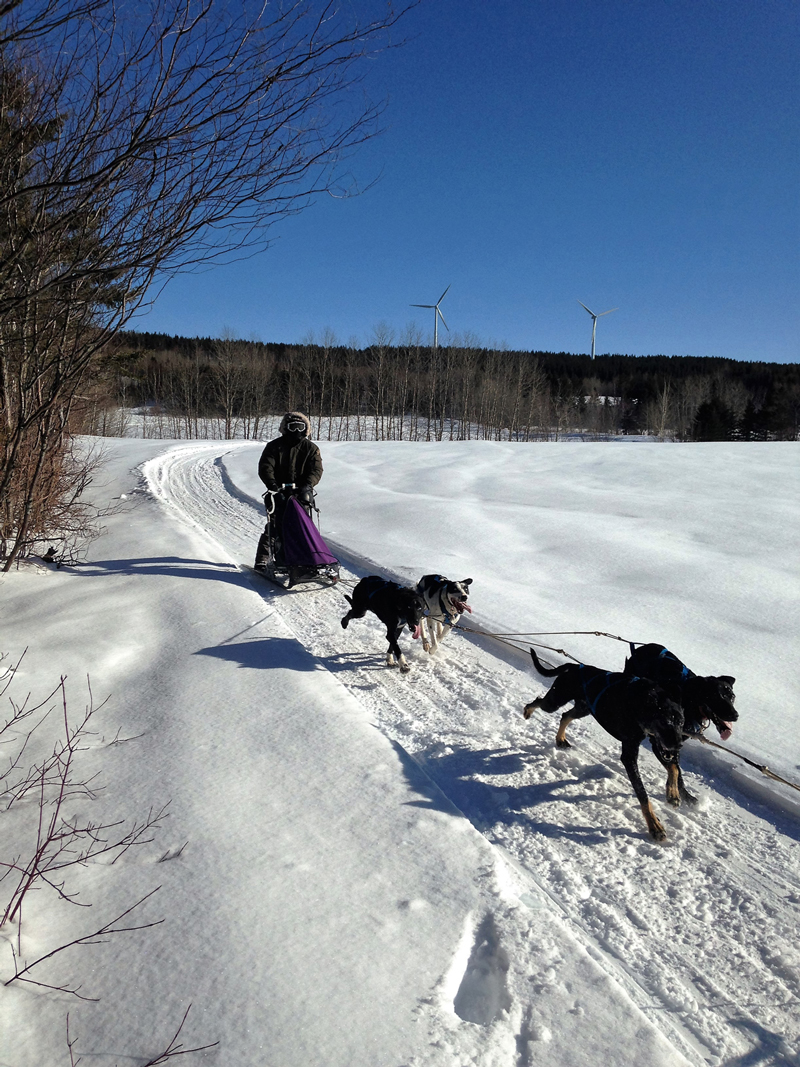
point(461, 606)
point(417, 632)
point(726, 733)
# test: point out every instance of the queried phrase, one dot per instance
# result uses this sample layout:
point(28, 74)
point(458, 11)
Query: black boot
point(262, 553)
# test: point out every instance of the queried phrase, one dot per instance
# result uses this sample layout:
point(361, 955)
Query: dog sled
point(291, 550)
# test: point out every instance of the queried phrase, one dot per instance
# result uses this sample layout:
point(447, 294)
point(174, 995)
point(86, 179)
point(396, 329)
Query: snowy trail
point(700, 932)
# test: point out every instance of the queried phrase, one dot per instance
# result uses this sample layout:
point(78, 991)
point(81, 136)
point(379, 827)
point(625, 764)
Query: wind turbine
point(594, 320)
point(437, 314)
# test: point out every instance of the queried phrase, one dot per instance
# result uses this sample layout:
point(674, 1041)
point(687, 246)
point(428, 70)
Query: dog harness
point(675, 664)
point(443, 613)
point(595, 686)
point(673, 660)
point(383, 585)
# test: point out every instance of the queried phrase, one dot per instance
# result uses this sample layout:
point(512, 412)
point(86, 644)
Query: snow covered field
point(398, 871)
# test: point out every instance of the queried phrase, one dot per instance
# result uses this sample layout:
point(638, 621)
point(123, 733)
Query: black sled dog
point(445, 601)
point(703, 699)
point(395, 605)
point(628, 708)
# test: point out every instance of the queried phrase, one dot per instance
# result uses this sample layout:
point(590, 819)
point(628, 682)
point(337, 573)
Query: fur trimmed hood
point(295, 415)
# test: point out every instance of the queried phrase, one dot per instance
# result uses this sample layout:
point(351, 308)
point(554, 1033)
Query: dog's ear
point(466, 581)
point(727, 679)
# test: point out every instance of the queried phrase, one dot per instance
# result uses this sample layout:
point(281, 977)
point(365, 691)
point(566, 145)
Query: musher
point(291, 459)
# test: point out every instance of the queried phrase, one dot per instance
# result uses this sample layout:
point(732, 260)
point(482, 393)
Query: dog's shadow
point(350, 661)
point(461, 775)
point(265, 653)
point(770, 1049)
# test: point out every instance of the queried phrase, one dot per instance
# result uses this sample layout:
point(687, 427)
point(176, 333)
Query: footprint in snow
point(483, 993)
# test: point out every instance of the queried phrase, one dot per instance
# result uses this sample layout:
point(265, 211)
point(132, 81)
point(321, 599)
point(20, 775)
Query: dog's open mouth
point(724, 729)
point(415, 633)
point(461, 606)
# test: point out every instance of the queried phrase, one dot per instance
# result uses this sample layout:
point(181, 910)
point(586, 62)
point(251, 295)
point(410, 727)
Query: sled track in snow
point(717, 906)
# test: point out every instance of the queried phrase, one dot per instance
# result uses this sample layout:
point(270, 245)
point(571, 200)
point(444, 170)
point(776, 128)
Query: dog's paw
point(563, 743)
point(657, 831)
point(405, 668)
point(528, 710)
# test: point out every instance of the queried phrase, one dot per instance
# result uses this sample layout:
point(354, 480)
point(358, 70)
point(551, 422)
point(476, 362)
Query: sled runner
point(291, 549)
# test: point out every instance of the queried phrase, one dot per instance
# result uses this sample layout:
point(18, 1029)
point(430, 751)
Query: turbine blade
point(608, 312)
point(586, 309)
point(422, 305)
point(441, 316)
point(444, 294)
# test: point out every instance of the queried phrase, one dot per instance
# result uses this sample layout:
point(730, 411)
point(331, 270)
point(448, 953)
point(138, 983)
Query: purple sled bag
point(302, 544)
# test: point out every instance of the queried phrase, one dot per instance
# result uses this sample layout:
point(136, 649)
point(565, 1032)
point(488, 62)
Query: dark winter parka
point(290, 458)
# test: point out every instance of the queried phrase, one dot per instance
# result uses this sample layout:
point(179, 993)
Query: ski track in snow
point(701, 932)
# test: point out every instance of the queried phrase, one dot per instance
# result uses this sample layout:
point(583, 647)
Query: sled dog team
point(654, 697)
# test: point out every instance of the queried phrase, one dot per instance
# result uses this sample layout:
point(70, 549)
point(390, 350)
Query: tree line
point(405, 390)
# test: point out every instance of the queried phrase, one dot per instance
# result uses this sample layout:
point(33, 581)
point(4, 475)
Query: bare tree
point(692, 392)
point(227, 381)
point(259, 366)
point(139, 139)
point(659, 412)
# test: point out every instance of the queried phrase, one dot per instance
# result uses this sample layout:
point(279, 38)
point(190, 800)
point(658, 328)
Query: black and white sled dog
point(395, 605)
point(445, 601)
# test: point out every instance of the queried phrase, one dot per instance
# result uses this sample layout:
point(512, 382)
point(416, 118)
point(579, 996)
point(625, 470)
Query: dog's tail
point(548, 672)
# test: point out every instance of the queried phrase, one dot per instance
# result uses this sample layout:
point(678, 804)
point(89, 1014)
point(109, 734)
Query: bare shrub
point(59, 839)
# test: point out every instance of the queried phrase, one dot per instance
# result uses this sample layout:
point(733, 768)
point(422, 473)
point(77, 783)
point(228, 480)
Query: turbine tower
point(594, 320)
point(437, 314)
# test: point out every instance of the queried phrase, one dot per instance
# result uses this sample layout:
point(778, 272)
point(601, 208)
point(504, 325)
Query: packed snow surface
point(362, 868)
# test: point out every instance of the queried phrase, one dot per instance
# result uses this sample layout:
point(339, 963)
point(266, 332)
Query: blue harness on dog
point(597, 685)
point(680, 669)
point(383, 585)
point(673, 659)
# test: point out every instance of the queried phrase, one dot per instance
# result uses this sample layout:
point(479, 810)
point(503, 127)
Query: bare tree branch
point(98, 937)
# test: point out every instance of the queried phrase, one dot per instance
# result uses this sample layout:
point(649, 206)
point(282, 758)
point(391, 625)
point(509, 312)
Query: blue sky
point(639, 154)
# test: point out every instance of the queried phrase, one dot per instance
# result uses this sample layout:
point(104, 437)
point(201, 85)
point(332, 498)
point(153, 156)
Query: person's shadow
point(166, 566)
